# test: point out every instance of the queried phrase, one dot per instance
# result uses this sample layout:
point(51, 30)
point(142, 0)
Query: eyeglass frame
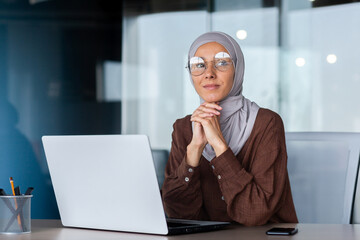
point(206, 65)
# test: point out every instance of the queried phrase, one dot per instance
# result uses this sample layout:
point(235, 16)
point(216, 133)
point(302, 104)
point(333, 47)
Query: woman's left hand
point(212, 130)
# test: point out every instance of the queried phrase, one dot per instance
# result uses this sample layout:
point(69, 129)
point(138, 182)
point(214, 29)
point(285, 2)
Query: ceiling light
point(331, 58)
point(241, 34)
point(300, 62)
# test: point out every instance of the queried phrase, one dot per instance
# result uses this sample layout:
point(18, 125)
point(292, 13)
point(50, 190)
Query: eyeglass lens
point(222, 62)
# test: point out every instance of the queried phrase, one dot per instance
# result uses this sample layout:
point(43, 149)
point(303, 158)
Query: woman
point(228, 159)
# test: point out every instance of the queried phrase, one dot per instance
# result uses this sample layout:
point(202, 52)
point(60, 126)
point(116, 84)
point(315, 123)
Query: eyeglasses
point(222, 62)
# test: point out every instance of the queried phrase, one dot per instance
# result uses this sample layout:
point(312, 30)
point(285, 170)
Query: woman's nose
point(210, 71)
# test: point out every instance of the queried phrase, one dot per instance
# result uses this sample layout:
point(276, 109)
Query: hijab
point(238, 113)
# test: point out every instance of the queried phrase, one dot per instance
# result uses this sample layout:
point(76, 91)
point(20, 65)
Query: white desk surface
point(52, 229)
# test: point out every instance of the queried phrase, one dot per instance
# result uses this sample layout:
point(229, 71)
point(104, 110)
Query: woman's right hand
point(199, 141)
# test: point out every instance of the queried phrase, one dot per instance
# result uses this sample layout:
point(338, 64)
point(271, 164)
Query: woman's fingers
point(202, 115)
point(205, 122)
point(205, 116)
point(212, 133)
point(207, 110)
point(211, 105)
point(203, 109)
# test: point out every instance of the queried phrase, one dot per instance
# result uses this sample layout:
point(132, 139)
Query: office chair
point(323, 169)
point(160, 157)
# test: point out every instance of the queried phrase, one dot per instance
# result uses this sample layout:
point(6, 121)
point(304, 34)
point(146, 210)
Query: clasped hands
point(206, 130)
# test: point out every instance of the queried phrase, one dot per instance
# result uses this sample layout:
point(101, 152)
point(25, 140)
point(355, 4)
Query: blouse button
point(190, 170)
point(222, 198)
point(186, 179)
point(219, 177)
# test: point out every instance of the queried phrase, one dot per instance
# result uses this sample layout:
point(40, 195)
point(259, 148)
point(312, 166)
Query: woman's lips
point(211, 86)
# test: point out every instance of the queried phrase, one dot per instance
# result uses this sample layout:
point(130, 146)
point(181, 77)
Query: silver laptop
point(109, 182)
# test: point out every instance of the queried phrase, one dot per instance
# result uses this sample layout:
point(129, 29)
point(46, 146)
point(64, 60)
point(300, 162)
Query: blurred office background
point(110, 67)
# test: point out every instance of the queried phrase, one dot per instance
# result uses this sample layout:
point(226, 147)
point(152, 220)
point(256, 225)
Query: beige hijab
point(239, 113)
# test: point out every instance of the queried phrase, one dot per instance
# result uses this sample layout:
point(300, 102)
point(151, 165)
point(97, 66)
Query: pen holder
point(15, 214)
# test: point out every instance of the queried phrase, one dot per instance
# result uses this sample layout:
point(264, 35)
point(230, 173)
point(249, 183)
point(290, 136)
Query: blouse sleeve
point(253, 196)
point(181, 191)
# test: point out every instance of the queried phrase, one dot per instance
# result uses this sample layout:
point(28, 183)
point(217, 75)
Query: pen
point(2, 192)
point(16, 206)
point(29, 191)
point(17, 191)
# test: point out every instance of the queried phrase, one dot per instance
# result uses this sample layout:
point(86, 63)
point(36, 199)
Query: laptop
point(109, 182)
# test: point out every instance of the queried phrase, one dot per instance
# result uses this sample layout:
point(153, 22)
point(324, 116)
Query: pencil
point(12, 185)
point(16, 206)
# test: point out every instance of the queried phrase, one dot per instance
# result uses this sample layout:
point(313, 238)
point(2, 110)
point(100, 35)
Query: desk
point(52, 229)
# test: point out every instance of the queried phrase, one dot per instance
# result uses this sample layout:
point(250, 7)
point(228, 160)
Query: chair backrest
point(356, 209)
point(160, 157)
point(323, 169)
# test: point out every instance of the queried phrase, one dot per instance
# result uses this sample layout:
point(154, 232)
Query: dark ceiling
point(112, 10)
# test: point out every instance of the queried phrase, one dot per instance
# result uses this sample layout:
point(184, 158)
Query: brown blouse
point(251, 188)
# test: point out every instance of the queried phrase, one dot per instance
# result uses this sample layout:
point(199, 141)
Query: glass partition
point(301, 61)
point(53, 82)
point(156, 85)
point(320, 74)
